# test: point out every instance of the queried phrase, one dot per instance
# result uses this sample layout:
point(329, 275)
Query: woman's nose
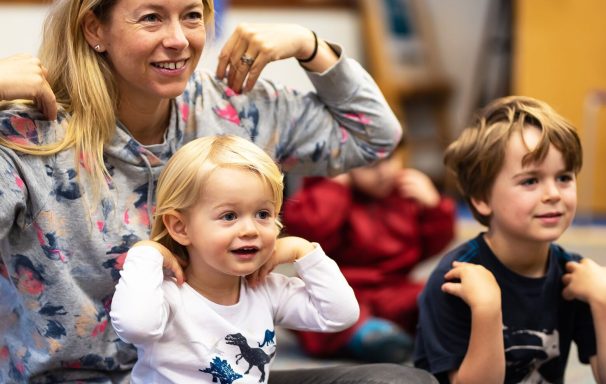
point(175, 37)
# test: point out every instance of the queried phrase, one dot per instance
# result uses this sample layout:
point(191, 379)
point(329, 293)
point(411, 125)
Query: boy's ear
point(93, 31)
point(176, 227)
point(481, 206)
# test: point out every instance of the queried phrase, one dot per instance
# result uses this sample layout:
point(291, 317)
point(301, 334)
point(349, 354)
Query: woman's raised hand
point(252, 46)
point(22, 76)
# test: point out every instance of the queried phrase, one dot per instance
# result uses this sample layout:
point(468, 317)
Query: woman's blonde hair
point(83, 83)
point(477, 156)
point(186, 173)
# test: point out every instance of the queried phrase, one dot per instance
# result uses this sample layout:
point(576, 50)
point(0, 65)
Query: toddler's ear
point(176, 227)
point(481, 206)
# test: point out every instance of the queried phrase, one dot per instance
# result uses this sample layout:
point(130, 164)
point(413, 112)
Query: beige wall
point(560, 57)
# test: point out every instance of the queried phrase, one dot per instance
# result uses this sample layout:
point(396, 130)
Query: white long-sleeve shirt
point(182, 337)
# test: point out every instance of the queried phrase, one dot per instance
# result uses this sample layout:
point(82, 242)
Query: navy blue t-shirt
point(538, 324)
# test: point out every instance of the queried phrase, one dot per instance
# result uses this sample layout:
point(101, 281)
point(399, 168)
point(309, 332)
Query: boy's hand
point(585, 280)
point(414, 184)
point(477, 287)
point(287, 250)
point(171, 262)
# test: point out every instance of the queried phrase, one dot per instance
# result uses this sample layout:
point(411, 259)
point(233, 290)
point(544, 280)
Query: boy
point(378, 222)
point(505, 306)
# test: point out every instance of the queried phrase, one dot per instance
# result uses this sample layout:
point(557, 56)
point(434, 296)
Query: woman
point(77, 191)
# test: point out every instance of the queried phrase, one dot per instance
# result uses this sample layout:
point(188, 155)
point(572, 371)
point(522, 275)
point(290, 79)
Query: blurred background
point(436, 62)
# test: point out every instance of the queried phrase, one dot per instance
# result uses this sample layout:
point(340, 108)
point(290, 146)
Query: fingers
point(454, 289)
point(46, 101)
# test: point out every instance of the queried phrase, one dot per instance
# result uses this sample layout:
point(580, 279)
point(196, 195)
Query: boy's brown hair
point(477, 156)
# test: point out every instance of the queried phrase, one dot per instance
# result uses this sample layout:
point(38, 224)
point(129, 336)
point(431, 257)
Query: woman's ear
point(481, 206)
point(177, 227)
point(93, 32)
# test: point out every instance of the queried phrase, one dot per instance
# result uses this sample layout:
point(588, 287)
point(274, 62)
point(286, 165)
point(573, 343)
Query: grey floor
point(589, 241)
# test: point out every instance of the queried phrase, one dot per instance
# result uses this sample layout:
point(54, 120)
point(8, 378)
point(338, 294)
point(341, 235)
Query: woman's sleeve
point(345, 124)
point(139, 311)
point(319, 300)
point(13, 194)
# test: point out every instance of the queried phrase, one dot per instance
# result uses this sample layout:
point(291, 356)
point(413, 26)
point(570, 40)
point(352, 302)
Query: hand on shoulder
point(585, 280)
point(22, 76)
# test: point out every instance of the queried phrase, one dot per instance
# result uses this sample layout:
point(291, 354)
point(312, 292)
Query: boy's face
point(377, 180)
point(534, 203)
point(232, 228)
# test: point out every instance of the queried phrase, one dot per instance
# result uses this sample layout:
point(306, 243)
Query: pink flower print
point(119, 261)
point(230, 92)
point(185, 112)
point(143, 215)
point(4, 353)
point(99, 328)
point(359, 117)
point(28, 282)
point(344, 135)
point(229, 113)
point(126, 217)
point(25, 127)
point(19, 182)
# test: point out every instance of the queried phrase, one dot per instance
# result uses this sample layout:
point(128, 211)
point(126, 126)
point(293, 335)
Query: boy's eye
point(529, 181)
point(230, 216)
point(565, 178)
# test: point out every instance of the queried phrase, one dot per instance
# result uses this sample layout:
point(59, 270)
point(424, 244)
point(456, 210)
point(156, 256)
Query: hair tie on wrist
point(314, 53)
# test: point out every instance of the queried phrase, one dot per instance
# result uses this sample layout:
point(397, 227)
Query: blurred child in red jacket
point(377, 222)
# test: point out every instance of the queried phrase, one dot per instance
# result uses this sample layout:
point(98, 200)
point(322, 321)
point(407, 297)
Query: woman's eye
point(150, 18)
point(194, 16)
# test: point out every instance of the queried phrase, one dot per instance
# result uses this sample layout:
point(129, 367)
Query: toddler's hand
point(287, 250)
point(585, 280)
point(477, 286)
point(171, 262)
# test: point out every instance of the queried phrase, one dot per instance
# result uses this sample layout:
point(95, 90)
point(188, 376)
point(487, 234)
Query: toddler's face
point(232, 228)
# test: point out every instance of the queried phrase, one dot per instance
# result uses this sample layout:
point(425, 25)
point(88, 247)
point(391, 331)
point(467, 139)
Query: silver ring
point(247, 60)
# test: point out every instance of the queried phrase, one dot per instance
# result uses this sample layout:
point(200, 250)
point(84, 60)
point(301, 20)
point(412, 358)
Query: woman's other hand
point(252, 46)
point(22, 76)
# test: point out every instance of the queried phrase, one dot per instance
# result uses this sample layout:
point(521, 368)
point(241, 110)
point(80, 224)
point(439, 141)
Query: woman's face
point(154, 46)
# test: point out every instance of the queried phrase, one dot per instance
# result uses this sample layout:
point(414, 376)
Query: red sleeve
point(437, 227)
point(317, 211)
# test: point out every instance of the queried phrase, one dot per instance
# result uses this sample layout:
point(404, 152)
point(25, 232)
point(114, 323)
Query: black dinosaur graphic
point(253, 356)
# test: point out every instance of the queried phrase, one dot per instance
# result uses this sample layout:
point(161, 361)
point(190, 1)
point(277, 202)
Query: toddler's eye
point(264, 215)
point(230, 216)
